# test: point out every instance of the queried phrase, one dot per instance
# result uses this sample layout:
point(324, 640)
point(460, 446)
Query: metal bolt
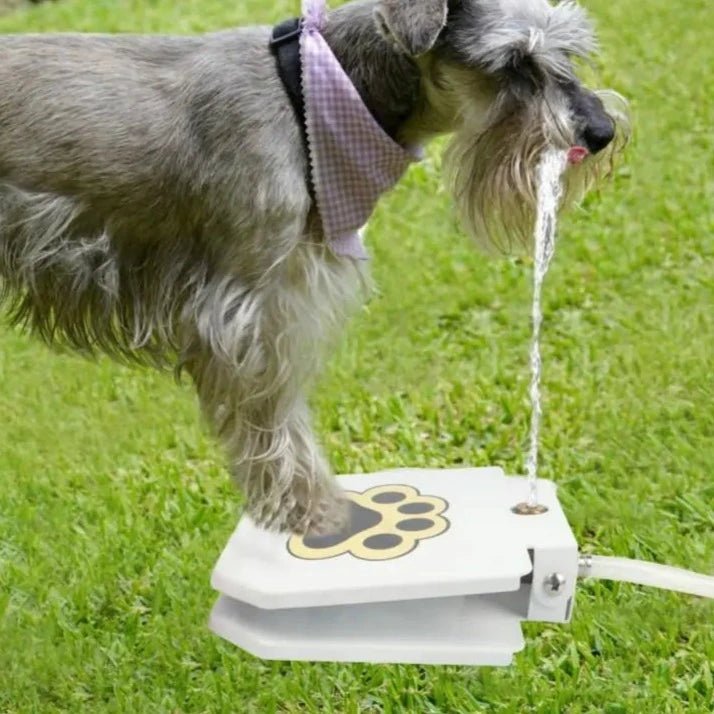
point(554, 584)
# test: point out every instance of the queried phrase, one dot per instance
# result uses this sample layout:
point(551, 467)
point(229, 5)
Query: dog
point(156, 206)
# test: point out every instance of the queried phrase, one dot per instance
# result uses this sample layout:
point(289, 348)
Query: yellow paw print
point(385, 522)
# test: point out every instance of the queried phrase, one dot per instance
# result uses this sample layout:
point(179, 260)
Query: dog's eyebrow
point(567, 83)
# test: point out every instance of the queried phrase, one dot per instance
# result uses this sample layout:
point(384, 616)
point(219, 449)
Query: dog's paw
point(320, 509)
point(324, 515)
point(385, 522)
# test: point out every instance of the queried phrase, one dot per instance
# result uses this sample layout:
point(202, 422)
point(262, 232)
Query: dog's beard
point(492, 173)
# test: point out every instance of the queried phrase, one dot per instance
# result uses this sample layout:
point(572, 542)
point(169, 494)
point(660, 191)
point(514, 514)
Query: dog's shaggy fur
point(154, 206)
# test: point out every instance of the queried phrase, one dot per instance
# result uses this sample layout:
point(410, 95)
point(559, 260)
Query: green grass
point(114, 504)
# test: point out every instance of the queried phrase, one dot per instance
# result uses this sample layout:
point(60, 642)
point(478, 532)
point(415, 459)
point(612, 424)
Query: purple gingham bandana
point(353, 160)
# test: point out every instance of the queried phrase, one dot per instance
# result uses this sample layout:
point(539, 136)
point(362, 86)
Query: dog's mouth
point(577, 154)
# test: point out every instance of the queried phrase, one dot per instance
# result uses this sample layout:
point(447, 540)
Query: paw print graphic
point(385, 522)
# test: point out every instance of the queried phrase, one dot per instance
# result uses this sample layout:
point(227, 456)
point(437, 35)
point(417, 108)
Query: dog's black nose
point(598, 134)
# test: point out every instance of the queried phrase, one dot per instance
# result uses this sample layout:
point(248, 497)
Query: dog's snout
point(598, 133)
point(596, 126)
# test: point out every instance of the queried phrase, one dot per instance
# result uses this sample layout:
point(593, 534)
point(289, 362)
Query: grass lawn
point(114, 504)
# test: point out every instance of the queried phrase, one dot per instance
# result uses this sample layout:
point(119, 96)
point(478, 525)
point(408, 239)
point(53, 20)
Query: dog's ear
point(413, 24)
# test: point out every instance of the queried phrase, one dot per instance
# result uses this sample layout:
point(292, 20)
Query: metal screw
point(554, 584)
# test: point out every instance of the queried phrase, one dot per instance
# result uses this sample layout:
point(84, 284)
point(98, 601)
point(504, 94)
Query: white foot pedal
point(435, 568)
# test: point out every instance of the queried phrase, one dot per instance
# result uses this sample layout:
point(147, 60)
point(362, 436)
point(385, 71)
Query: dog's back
point(132, 167)
point(106, 117)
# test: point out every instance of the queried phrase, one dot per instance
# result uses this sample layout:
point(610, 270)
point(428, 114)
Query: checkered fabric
point(353, 160)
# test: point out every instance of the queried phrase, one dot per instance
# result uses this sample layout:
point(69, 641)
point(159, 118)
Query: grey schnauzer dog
point(154, 202)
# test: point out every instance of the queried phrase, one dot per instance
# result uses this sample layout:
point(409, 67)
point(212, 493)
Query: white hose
point(639, 572)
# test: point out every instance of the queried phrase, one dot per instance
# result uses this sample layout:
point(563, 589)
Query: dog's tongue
point(576, 154)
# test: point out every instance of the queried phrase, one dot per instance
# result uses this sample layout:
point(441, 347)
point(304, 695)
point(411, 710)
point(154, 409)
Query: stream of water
point(549, 194)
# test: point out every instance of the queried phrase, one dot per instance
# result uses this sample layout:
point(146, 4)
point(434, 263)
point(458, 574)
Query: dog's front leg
point(286, 480)
point(256, 406)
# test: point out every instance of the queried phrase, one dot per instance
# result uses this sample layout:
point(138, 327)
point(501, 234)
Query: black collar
point(285, 46)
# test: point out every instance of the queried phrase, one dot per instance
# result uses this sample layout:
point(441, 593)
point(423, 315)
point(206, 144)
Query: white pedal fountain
point(436, 567)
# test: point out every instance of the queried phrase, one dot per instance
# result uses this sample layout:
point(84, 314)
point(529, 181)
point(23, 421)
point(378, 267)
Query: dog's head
point(500, 76)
